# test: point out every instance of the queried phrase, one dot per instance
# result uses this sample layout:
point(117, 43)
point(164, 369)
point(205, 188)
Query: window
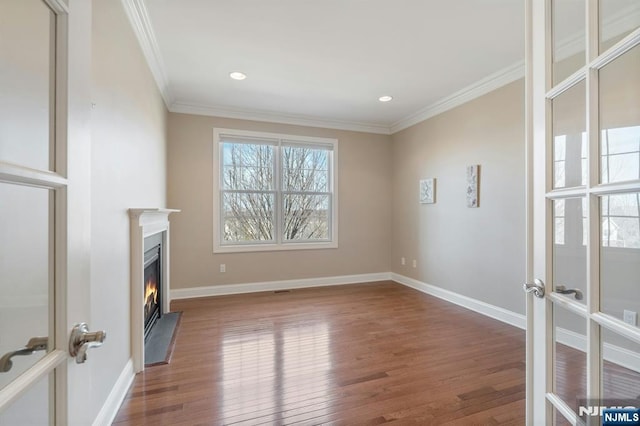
point(274, 192)
point(570, 222)
point(621, 220)
point(570, 160)
point(620, 153)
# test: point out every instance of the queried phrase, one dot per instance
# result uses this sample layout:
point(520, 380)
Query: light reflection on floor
point(258, 358)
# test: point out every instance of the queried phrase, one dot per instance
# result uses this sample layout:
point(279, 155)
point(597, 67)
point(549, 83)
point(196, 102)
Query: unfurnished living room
point(311, 212)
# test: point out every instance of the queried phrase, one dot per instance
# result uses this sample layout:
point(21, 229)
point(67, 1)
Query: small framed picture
point(473, 179)
point(428, 191)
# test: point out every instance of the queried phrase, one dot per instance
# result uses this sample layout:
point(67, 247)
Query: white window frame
point(278, 244)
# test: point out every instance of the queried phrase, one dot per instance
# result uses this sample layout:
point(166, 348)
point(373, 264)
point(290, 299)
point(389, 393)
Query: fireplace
point(149, 239)
point(152, 287)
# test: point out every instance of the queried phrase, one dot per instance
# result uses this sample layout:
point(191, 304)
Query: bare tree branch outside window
point(249, 192)
point(305, 193)
point(620, 161)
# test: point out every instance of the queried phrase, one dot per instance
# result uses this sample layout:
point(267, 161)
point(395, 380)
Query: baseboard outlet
point(113, 402)
point(492, 311)
point(227, 289)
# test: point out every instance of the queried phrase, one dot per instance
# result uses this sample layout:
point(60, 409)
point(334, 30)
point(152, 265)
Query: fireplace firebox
point(152, 287)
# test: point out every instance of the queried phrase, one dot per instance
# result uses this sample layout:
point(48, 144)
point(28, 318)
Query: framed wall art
point(428, 191)
point(473, 187)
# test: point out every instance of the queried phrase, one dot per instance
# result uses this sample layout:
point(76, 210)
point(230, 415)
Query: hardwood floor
point(348, 355)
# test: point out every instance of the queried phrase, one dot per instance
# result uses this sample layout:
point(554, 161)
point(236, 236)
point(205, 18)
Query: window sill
point(249, 248)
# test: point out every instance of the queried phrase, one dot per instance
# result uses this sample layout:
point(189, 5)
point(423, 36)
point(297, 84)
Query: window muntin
point(274, 192)
point(621, 220)
point(620, 154)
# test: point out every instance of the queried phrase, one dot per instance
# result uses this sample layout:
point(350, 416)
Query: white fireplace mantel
point(145, 222)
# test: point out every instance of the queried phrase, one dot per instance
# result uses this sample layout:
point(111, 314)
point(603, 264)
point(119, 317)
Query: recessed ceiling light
point(237, 75)
point(385, 98)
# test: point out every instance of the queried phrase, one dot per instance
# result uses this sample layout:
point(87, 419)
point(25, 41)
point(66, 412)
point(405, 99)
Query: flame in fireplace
point(150, 293)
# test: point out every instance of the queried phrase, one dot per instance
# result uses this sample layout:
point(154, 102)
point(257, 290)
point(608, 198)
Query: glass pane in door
point(569, 138)
point(559, 419)
point(32, 408)
point(569, 248)
point(569, 41)
point(620, 118)
point(570, 357)
point(620, 255)
point(27, 37)
point(25, 277)
point(617, 19)
point(620, 367)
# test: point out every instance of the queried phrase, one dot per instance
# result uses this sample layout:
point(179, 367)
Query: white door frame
point(72, 183)
point(535, 133)
point(76, 383)
point(539, 93)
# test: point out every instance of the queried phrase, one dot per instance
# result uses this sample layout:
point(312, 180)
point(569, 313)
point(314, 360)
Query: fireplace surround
point(149, 228)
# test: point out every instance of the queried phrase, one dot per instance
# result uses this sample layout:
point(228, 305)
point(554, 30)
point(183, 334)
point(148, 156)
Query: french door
point(583, 128)
point(44, 216)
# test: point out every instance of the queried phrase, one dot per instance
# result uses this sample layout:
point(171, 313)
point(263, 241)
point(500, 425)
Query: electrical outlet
point(415, 263)
point(630, 317)
point(403, 261)
point(223, 267)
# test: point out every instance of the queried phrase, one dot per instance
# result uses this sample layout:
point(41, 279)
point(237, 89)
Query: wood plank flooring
point(361, 354)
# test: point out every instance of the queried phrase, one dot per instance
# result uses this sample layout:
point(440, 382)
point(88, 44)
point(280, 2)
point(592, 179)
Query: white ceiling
point(326, 62)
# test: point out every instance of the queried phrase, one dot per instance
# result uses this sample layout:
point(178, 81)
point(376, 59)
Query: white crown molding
point(623, 21)
point(226, 289)
point(138, 16)
point(294, 119)
point(473, 91)
point(136, 11)
point(614, 25)
point(479, 88)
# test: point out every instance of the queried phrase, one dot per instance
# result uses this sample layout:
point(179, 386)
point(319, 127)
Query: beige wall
point(128, 167)
point(364, 202)
point(476, 252)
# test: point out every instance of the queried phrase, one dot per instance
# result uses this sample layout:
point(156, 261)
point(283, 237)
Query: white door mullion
point(594, 347)
point(549, 331)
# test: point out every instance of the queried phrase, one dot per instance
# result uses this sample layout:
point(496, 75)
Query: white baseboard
point(615, 354)
point(226, 289)
point(495, 312)
point(612, 353)
point(113, 402)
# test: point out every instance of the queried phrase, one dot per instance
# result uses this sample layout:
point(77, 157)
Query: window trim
point(279, 244)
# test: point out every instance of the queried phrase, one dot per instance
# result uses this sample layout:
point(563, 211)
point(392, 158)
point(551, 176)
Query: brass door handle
point(33, 345)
